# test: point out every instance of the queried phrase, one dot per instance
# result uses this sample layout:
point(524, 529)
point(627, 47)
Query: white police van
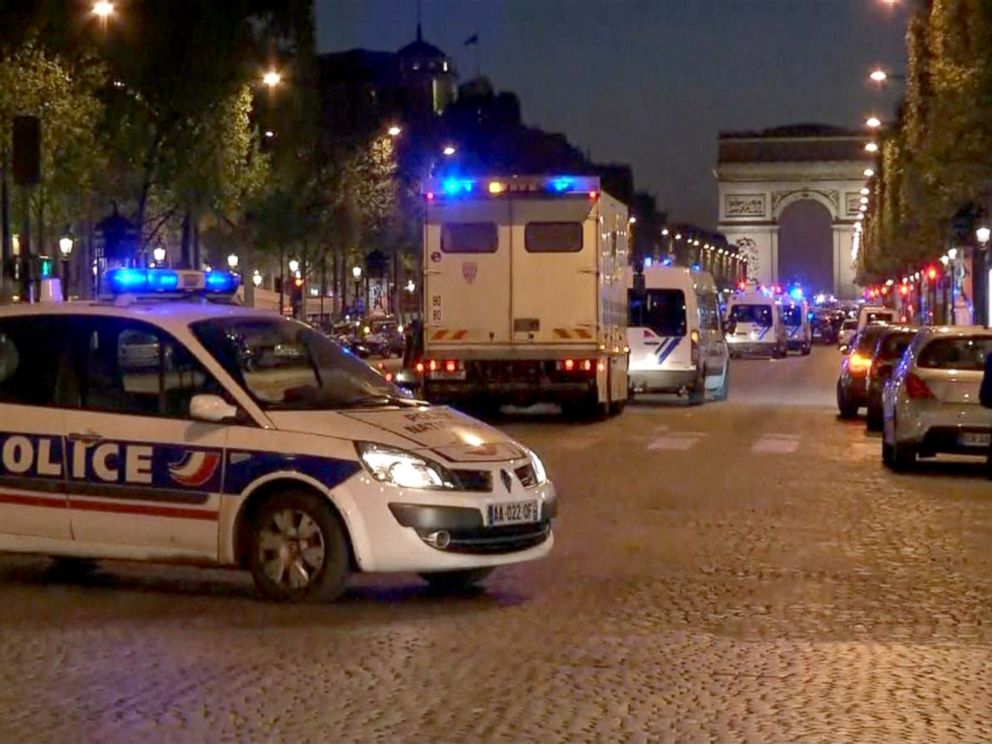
point(164, 427)
point(674, 335)
point(755, 325)
point(798, 332)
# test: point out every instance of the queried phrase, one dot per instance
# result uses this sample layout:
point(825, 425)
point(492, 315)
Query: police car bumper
point(797, 344)
point(419, 531)
point(661, 380)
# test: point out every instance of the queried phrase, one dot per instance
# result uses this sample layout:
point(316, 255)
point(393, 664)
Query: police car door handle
point(88, 437)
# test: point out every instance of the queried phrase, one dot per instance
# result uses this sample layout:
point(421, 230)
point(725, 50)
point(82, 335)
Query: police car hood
point(438, 429)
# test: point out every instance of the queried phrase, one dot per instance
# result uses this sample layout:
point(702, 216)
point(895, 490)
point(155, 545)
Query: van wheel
point(888, 457)
point(807, 348)
point(697, 394)
point(724, 389)
point(903, 457)
point(456, 581)
point(298, 549)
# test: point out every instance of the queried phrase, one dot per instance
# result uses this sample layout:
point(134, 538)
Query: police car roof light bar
point(169, 281)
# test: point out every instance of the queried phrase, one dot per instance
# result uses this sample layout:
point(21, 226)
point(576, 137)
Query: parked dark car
point(888, 351)
point(852, 386)
point(824, 329)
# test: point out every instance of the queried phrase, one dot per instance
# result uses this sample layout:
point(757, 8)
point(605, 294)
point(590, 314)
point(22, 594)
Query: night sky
point(651, 82)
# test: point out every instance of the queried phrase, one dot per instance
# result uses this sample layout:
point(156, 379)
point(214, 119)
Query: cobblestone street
point(739, 571)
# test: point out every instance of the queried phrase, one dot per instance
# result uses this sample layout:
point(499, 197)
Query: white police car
point(165, 427)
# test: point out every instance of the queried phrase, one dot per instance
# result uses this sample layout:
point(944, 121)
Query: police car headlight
point(401, 468)
point(535, 462)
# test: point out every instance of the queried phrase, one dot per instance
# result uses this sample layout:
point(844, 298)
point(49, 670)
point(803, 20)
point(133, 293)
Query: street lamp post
point(65, 248)
point(356, 272)
point(233, 261)
point(158, 253)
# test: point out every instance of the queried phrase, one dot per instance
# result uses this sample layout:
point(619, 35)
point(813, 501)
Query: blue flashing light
point(222, 282)
point(123, 281)
point(696, 267)
point(647, 262)
point(667, 262)
point(796, 293)
point(561, 184)
point(162, 281)
point(457, 186)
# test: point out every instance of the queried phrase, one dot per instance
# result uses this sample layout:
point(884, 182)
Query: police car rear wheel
point(299, 552)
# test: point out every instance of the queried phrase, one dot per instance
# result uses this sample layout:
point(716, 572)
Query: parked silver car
point(930, 405)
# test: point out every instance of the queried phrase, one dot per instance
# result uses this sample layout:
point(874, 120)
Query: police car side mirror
point(212, 409)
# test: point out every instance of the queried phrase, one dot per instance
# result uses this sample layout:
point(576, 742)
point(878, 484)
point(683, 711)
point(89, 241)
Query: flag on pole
point(472, 40)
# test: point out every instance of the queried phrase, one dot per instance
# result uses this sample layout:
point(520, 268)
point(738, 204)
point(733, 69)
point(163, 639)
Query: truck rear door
point(467, 273)
point(554, 291)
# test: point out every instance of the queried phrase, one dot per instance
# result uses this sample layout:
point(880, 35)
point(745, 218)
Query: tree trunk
point(185, 255)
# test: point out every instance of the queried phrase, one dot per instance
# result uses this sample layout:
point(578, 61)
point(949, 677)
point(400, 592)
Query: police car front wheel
point(299, 552)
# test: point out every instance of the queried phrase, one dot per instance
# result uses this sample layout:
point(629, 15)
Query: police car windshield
point(288, 366)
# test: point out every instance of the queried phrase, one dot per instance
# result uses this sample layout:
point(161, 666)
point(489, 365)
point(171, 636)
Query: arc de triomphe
point(789, 199)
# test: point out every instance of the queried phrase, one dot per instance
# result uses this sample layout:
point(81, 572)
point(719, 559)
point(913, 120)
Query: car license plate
point(513, 512)
point(973, 439)
point(439, 374)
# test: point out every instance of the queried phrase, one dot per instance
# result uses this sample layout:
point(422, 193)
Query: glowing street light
point(269, 134)
point(873, 122)
point(871, 147)
point(869, 173)
point(879, 75)
point(103, 10)
point(158, 253)
point(983, 234)
point(449, 150)
point(864, 199)
point(863, 208)
point(664, 232)
point(294, 265)
point(233, 261)
point(65, 246)
point(394, 131)
point(865, 191)
point(256, 278)
point(411, 287)
point(272, 78)
point(356, 272)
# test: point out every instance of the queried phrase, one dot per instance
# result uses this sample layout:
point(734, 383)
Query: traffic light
point(44, 268)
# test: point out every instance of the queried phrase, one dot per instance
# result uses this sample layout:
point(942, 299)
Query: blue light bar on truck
point(170, 281)
point(452, 187)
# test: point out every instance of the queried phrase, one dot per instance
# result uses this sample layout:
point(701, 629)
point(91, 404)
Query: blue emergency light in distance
point(457, 186)
point(562, 184)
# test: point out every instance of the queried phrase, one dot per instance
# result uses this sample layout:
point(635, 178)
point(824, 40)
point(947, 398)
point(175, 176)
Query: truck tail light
point(420, 367)
point(432, 365)
point(569, 365)
point(587, 365)
point(916, 388)
point(450, 365)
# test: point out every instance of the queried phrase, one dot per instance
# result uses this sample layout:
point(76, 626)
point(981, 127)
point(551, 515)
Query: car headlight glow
point(400, 468)
point(539, 472)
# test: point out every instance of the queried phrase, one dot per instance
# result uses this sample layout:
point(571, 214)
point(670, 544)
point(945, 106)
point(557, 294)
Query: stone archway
point(806, 246)
point(792, 191)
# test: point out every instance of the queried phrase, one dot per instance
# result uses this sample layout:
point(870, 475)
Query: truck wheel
point(456, 581)
point(807, 348)
point(874, 422)
point(298, 549)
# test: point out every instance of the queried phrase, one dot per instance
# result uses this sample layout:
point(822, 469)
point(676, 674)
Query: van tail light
point(575, 365)
point(916, 388)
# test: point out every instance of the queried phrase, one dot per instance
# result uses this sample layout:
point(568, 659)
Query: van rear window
point(469, 237)
point(661, 310)
point(758, 314)
point(553, 237)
